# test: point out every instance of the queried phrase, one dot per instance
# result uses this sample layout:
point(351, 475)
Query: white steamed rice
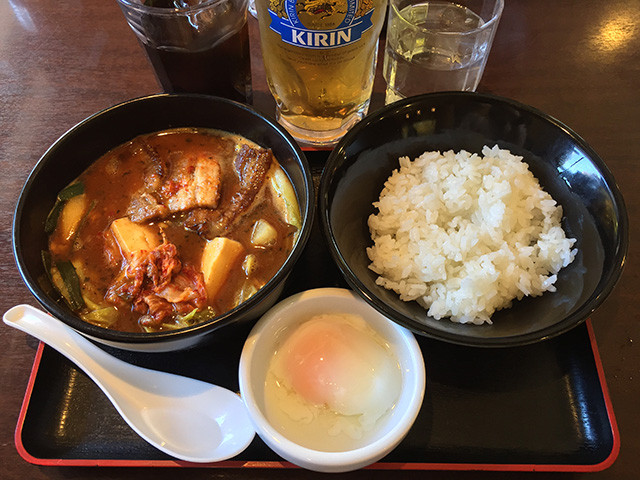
point(465, 234)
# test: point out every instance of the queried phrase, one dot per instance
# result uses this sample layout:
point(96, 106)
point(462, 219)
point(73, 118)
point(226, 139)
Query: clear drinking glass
point(196, 46)
point(437, 45)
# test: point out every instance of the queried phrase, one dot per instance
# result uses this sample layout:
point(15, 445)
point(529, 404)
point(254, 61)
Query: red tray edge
point(606, 463)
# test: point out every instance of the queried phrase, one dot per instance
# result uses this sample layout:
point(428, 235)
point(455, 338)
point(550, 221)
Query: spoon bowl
point(186, 418)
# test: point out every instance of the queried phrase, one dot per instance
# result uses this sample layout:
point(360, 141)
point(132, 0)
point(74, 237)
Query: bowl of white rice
point(473, 219)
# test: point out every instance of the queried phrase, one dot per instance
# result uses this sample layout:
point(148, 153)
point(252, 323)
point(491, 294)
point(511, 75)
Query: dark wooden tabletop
point(579, 61)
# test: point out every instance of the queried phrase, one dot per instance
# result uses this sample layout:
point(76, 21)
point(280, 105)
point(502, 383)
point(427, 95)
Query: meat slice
point(251, 165)
point(193, 182)
point(146, 206)
point(176, 184)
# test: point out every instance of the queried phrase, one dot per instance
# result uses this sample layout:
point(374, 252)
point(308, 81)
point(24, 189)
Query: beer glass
point(320, 58)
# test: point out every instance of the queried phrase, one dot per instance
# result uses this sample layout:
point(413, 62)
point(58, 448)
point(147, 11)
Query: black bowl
point(86, 142)
point(567, 168)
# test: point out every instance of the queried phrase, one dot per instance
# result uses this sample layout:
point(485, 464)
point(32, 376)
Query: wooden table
point(579, 61)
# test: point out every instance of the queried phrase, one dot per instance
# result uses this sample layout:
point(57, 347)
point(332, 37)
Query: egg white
point(331, 382)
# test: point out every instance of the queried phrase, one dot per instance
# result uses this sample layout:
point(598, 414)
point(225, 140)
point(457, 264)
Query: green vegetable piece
point(46, 281)
point(203, 315)
point(194, 317)
point(164, 326)
point(52, 219)
point(104, 317)
point(71, 283)
point(71, 191)
point(46, 262)
point(65, 194)
point(186, 320)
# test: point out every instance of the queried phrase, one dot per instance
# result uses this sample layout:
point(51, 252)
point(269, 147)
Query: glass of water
point(437, 45)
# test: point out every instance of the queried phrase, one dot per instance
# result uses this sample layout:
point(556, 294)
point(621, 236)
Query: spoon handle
point(56, 334)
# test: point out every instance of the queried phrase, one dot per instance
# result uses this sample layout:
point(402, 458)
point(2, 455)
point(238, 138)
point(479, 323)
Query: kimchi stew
point(170, 229)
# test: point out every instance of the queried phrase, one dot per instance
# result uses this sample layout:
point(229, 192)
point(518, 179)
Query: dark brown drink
point(195, 46)
point(223, 70)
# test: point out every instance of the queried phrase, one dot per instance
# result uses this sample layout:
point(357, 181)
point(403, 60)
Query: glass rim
point(168, 11)
point(495, 17)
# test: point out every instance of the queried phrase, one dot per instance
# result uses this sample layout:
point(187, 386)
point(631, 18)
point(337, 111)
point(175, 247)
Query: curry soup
point(171, 229)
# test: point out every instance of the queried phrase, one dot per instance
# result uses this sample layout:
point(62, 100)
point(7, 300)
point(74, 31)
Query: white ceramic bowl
point(270, 331)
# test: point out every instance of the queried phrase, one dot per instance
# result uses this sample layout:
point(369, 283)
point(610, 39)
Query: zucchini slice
point(65, 194)
point(71, 283)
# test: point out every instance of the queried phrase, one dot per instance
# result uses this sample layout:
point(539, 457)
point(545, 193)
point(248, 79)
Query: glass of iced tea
point(195, 46)
point(437, 45)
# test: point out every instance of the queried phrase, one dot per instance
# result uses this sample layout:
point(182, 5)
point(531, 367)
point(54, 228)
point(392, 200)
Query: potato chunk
point(263, 234)
point(218, 258)
point(132, 237)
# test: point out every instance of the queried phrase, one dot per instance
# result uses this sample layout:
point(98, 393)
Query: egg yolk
point(340, 364)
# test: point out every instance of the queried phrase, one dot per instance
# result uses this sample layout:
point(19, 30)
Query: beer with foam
point(320, 58)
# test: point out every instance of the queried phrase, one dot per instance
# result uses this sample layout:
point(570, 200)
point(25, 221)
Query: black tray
point(538, 407)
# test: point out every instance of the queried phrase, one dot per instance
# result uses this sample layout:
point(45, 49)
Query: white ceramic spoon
point(185, 418)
